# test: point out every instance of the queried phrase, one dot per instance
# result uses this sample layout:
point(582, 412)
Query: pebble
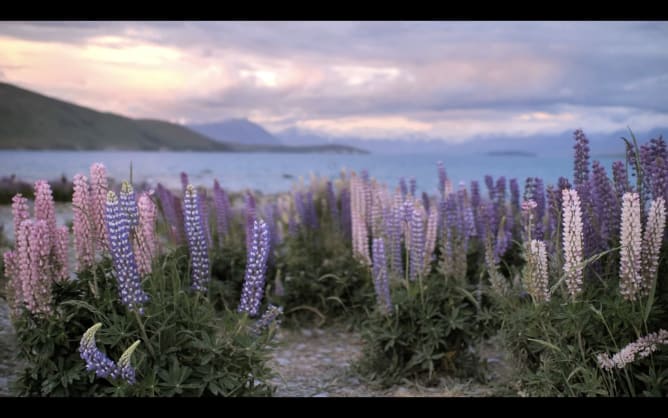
point(307, 332)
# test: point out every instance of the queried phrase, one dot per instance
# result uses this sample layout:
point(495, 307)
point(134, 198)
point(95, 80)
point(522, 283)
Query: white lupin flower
point(640, 348)
point(538, 283)
point(572, 240)
point(630, 279)
point(652, 239)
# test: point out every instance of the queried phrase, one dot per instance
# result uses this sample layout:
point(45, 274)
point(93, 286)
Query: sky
point(448, 81)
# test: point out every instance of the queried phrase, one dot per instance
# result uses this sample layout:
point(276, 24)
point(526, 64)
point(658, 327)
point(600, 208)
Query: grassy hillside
point(32, 121)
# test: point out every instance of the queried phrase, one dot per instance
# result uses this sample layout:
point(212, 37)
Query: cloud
point(442, 80)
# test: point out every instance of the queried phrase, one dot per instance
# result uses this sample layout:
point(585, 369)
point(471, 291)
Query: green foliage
point(228, 268)
point(555, 344)
point(187, 348)
point(433, 330)
point(321, 280)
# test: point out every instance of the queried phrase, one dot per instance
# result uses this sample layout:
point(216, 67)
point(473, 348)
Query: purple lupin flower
point(514, 196)
point(368, 197)
point(442, 178)
point(300, 208)
point(167, 203)
point(403, 187)
point(270, 316)
point(475, 193)
point(553, 209)
point(475, 205)
point(95, 359)
point(125, 265)
point(380, 279)
point(450, 221)
point(311, 214)
point(500, 203)
point(395, 237)
point(502, 242)
point(184, 181)
point(129, 203)
point(489, 182)
point(221, 203)
point(346, 224)
point(606, 205)
point(581, 162)
point(425, 201)
point(500, 191)
point(621, 179)
point(465, 221)
point(331, 204)
point(256, 267)
point(101, 364)
point(563, 183)
point(655, 158)
point(417, 244)
point(413, 186)
point(539, 198)
point(199, 252)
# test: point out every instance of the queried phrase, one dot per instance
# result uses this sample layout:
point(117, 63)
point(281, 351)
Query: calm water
point(276, 172)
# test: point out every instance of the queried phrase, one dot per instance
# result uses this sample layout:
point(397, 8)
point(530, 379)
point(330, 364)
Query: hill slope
point(240, 131)
point(30, 120)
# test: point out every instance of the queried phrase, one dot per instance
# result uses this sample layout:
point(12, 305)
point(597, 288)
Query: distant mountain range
point(560, 144)
point(29, 120)
point(236, 130)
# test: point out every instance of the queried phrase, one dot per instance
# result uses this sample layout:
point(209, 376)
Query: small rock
point(307, 332)
point(321, 395)
point(300, 346)
point(282, 361)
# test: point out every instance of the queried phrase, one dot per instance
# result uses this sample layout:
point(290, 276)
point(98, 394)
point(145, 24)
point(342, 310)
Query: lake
point(270, 172)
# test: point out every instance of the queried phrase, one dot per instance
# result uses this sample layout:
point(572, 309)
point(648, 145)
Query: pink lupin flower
point(358, 217)
point(84, 241)
point(34, 268)
point(45, 209)
point(20, 211)
point(98, 200)
point(41, 274)
point(631, 246)
point(145, 238)
point(572, 240)
point(23, 283)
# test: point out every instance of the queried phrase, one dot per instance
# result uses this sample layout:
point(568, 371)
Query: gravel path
point(317, 363)
point(7, 349)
